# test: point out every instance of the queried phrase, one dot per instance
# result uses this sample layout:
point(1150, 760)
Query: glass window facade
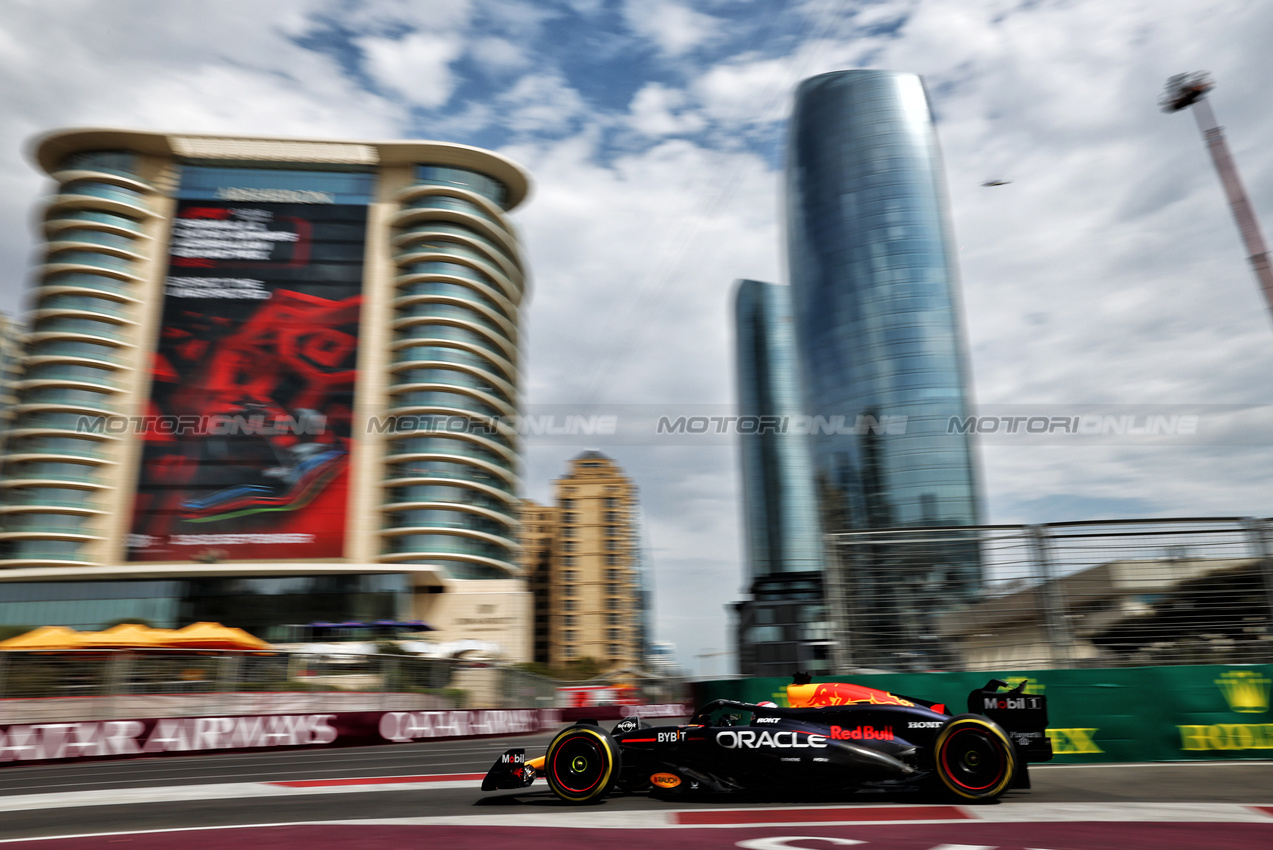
point(879, 339)
point(261, 605)
point(875, 293)
point(781, 523)
point(202, 182)
point(442, 175)
point(110, 162)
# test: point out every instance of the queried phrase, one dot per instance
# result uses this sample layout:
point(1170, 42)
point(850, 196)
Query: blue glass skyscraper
point(782, 526)
point(782, 626)
point(877, 314)
point(878, 332)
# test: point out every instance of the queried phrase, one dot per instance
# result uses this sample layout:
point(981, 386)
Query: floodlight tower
point(1185, 90)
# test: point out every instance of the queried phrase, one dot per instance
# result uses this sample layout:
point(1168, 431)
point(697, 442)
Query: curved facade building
point(879, 335)
point(875, 288)
point(280, 365)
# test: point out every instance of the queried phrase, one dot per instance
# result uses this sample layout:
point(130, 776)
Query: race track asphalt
point(123, 798)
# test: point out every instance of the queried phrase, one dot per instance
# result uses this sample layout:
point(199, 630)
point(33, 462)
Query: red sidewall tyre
point(974, 758)
point(582, 764)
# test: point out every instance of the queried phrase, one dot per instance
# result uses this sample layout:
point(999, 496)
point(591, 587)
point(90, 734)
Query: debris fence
point(108, 684)
point(1062, 595)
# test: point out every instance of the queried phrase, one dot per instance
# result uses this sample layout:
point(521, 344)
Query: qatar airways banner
point(106, 739)
point(98, 739)
point(247, 433)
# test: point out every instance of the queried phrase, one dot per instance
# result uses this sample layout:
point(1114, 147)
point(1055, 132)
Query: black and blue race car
point(830, 738)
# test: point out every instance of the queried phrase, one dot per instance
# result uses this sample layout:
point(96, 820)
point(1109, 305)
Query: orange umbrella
point(127, 634)
point(45, 637)
point(215, 636)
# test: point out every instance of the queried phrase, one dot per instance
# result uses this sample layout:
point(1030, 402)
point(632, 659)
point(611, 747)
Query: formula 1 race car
point(833, 738)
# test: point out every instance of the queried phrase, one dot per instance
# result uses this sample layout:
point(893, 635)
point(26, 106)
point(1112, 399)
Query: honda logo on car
point(746, 739)
point(927, 724)
point(862, 733)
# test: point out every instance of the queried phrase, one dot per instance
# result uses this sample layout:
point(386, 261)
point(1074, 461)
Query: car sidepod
point(772, 753)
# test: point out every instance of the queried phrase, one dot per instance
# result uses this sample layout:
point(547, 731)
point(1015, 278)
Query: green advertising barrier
point(1107, 715)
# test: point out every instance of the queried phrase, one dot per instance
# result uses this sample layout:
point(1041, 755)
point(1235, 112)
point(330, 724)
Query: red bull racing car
point(831, 738)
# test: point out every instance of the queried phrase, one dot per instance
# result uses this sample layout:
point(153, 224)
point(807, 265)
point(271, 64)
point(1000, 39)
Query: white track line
point(221, 791)
point(1015, 813)
point(646, 820)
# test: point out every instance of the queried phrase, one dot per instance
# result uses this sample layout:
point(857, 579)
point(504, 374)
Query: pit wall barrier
point(91, 740)
point(1132, 714)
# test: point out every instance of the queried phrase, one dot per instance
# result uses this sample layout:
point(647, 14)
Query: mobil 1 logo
point(1025, 702)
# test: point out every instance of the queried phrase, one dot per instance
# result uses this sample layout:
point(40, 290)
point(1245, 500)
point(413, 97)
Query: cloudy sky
point(1108, 272)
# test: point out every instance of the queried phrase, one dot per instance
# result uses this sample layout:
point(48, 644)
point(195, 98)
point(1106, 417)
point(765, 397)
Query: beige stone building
point(270, 382)
point(540, 529)
point(583, 555)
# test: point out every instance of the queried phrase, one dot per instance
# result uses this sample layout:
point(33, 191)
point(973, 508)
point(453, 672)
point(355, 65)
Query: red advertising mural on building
point(247, 432)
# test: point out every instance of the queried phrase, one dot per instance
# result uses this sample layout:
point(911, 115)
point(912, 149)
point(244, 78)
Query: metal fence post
point(1258, 536)
point(1057, 626)
point(390, 681)
point(838, 604)
point(228, 676)
point(117, 670)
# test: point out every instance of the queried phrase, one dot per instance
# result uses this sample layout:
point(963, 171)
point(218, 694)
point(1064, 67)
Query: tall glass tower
point(782, 627)
point(878, 330)
point(783, 531)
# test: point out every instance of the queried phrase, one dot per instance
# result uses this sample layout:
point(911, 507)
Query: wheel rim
point(579, 765)
point(973, 760)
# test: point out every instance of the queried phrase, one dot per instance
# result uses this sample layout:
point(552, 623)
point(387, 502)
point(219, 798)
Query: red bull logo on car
point(862, 733)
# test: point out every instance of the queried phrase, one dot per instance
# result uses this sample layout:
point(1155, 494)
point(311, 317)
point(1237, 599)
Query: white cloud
point(675, 28)
point(541, 103)
point(660, 111)
point(388, 17)
point(634, 264)
point(1109, 270)
point(223, 68)
point(731, 92)
point(417, 66)
point(499, 53)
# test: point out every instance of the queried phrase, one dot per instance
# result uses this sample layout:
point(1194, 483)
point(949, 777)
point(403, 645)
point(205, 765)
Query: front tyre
point(974, 758)
point(582, 764)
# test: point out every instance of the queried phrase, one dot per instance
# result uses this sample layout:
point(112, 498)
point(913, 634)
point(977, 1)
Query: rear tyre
point(974, 758)
point(582, 764)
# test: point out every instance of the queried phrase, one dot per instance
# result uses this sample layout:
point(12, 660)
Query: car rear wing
point(1023, 716)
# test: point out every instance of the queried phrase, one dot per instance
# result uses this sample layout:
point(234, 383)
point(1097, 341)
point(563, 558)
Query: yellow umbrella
point(215, 636)
point(45, 637)
point(127, 634)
